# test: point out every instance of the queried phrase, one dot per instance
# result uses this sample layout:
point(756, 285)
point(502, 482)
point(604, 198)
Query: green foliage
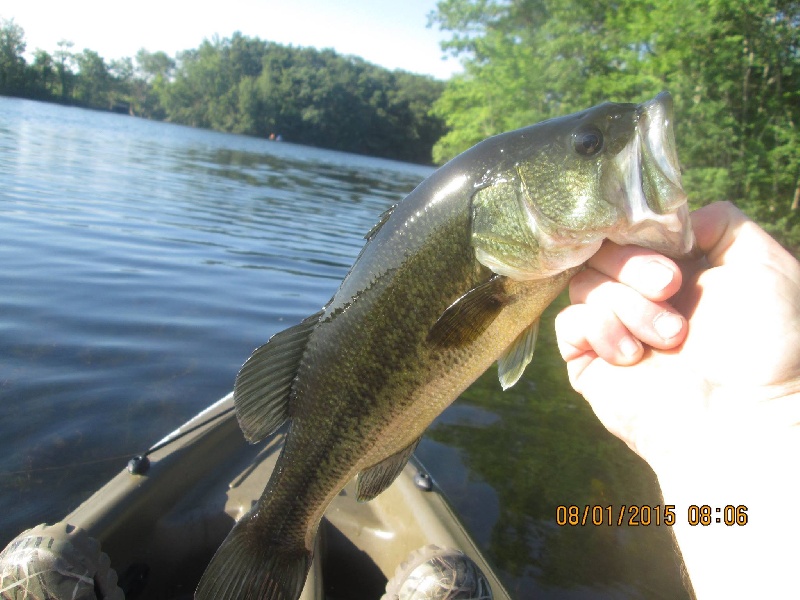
point(151, 75)
point(733, 67)
point(313, 97)
point(242, 85)
point(93, 82)
point(65, 75)
point(12, 63)
point(42, 73)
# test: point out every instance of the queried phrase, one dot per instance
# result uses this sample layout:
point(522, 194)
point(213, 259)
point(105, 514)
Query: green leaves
point(733, 67)
point(243, 85)
point(12, 64)
point(246, 85)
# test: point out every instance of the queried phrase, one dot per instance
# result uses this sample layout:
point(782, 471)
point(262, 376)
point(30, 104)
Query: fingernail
point(628, 347)
point(668, 325)
point(655, 276)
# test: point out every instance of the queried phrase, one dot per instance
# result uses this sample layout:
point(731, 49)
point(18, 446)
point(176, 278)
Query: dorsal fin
point(513, 361)
point(264, 383)
point(375, 479)
point(381, 222)
point(469, 316)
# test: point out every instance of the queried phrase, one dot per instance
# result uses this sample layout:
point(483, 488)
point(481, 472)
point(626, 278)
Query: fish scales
point(452, 279)
point(341, 438)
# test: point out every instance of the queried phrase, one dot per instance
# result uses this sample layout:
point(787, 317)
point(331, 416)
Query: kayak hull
point(162, 523)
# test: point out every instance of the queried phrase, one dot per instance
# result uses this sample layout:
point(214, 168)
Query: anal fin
point(375, 479)
point(513, 361)
point(264, 383)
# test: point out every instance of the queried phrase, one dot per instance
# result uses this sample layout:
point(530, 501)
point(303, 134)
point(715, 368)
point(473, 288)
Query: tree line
point(732, 66)
point(241, 85)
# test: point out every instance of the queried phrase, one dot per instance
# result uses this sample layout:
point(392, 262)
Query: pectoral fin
point(512, 363)
point(469, 316)
point(377, 478)
point(264, 383)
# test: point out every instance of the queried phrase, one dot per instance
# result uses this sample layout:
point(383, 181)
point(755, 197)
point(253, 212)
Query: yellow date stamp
point(645, 515)
point(633, 515)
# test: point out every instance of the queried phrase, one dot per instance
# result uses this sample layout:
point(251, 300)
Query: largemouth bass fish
point(452, 279)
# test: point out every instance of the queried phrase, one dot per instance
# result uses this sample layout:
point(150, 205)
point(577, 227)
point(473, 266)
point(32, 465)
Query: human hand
point(724, 350)
point(697, 368)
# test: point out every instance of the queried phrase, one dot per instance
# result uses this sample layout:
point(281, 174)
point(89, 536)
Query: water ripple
point(140, 264)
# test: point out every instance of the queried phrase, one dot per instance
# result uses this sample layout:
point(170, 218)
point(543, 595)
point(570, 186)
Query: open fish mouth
point(656, 209)
point(660, 170)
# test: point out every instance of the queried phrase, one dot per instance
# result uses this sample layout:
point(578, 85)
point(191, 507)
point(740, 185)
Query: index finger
point(651, 274)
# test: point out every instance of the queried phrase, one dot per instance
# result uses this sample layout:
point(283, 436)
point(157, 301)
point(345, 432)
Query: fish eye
point(588, 141)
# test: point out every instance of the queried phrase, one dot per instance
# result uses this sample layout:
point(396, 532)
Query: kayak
point(150, 532)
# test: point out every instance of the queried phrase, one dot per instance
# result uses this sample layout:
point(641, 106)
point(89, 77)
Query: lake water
point(140, 264)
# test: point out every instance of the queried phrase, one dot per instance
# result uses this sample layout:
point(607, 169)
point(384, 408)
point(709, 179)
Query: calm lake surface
point(141, 263)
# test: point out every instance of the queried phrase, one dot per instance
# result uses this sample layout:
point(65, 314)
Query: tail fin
point(246, 568)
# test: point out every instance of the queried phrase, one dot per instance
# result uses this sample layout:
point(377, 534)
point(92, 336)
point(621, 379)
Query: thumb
point(727, 236)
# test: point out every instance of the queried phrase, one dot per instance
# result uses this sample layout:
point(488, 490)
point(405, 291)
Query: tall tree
point(93, 84)
point(12, 62)
point(43, 71)
point(153, 72)
point(65, 60)
point(121, 73)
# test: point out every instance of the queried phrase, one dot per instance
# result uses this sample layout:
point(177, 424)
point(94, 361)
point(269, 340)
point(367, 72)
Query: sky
point(390, 33)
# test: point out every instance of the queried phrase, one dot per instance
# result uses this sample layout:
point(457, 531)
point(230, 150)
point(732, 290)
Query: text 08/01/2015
point(645, 515)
